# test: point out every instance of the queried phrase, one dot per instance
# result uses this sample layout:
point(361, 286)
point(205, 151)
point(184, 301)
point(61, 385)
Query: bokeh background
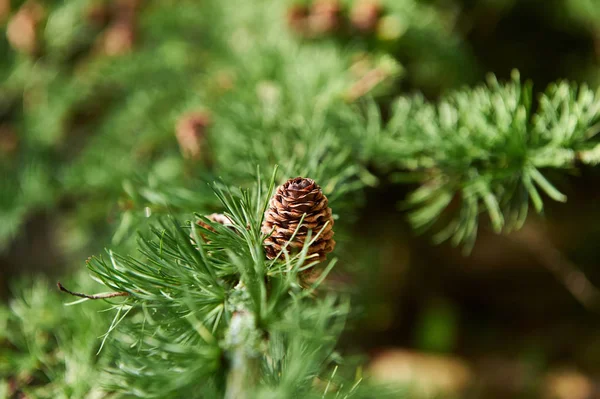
point(107, 106)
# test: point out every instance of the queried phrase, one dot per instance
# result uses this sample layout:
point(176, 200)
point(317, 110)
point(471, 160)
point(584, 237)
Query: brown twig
point(537, 242)
point(95, 296)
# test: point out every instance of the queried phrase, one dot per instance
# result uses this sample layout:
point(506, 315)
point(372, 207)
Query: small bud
point(365, 15)
point(126, 10)
point(191, 134)
point(118, 38)
point(297, 19)
point(4, 10)
point(98, 14)
point(215, 217)
point(22, 30)
point(324, 18)
point(8, 140)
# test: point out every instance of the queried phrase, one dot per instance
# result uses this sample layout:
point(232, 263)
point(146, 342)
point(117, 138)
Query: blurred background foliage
point(114, 112)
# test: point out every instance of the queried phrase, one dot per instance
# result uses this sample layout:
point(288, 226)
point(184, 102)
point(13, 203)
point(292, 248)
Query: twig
point(537, 242)
point(94, 296)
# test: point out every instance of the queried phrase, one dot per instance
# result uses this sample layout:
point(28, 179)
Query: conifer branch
point(485, 151)
point(482, 152)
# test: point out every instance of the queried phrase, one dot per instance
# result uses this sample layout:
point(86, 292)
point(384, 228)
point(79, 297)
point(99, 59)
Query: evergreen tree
point(162, 114)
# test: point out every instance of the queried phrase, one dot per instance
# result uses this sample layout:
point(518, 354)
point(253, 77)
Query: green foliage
point(486, 150)
point(85, 121)
point(98, 132)
point(48, 348)
point(175, 327)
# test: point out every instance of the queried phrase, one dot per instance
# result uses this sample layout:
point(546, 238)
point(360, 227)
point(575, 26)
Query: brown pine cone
point(214, 217)
point(217, 218)
point(293, 199)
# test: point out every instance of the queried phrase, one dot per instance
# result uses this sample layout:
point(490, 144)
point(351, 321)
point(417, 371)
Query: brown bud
point(8, 140)
point(22, 30)
point(297, 18)
point(126, 10)
point(215, 217)
point(297, 198)
point(118, 38)
point(191, 134)
point(324, 18)
point(98, 14)
point(4, 9)
point(101, 13)
point(365, 15)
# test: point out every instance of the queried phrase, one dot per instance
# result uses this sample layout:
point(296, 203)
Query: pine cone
point(215, 217)
point(291, 201)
